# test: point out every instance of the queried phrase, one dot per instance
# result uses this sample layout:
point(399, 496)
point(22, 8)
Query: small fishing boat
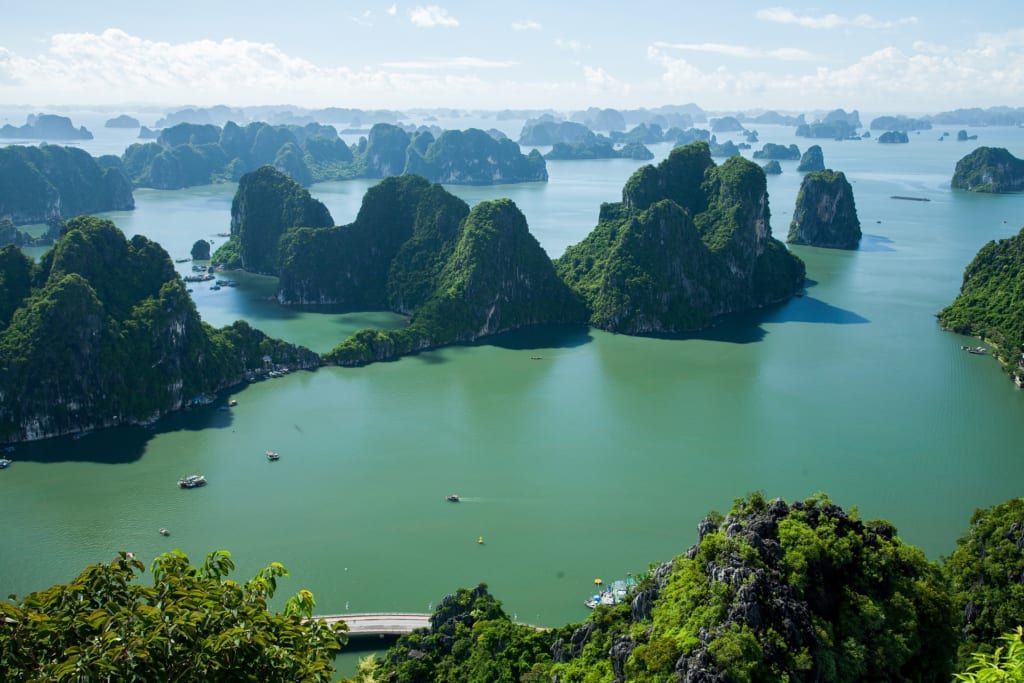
point(480, 541)
point(976, 350)
point(164, 532)
point(273, 455)
point(452, 498)
point(215, 288)
point(192, 481)
point(4, 463)
point(232, 403)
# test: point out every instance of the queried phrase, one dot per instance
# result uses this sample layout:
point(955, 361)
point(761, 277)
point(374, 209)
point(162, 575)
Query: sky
point(875, 56)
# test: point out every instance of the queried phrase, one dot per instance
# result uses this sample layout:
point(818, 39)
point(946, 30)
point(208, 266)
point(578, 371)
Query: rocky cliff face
point(825, 213)
point(690, 241)
point(118, 305)
point(497, 278)
point(267, 204)
point(989, 169)
point(388, 258)
point(812, 160)
point(45, 183)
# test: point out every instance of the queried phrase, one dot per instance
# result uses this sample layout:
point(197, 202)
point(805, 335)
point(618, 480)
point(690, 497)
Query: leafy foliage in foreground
point(1004, 665)
point(192, 624)
point(991, 300)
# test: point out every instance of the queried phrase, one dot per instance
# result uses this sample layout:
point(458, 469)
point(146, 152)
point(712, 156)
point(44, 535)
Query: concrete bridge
point(379, 623)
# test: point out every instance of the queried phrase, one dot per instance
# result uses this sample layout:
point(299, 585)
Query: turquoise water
point(594, 461)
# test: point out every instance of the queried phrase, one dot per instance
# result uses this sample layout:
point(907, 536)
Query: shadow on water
point(126, 444)
point(547, 337)
point(747, 328)
point(875, 243)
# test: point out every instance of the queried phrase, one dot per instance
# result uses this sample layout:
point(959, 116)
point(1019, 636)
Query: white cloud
point(526, 25)
point(454, 63)
point(569, 45)
point(600, 81)
point(782, 15)
point(363, 19)
point(791, 54)
point(393, 10)
point(431, 16)
point(928, 77)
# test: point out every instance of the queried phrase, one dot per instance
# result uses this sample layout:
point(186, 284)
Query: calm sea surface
point(594, 461)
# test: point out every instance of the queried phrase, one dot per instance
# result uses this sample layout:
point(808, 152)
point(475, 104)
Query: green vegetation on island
point(266, 204)
point(200, 250)
point(193, 154)
point(772, 167)
point(825, 213)
point(461, 276)
point(118, 304)
point(689, 241)
point(726, 124)
point(598, 147)
point(50, 182)
point(770, 592)
point(989, 169)
point(894, 137)
point(991, 302)
point(812, 160)
point(547, 131)
point(192, 624)
point(770, 150)
point(985, 573)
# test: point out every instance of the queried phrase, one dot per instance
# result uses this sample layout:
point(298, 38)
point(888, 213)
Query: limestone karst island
point(442, 341)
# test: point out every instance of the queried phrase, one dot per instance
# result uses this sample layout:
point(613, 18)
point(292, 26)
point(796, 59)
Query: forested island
point(825, 213)
point(689, 241)
point(813, 159)
point(50, 182)
point(770, 150)
point(122, 121)
point(991, 302)
point(989, 169)
point(192, 154)
point(893, 137)
point(798, 591)
point(45, 127)
point(598, 147)
point(118, 304)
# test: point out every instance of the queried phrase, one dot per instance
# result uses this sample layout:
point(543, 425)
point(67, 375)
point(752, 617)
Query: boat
point(232, 403)
point(617, 593)
point(452, 498)
point(182, 260)
point(192, 481)
point(4, 463)
point(480, 540)
point(536, 357)
point(976, 350)
point(164, 532)
point(215, 288)
point(273, 455)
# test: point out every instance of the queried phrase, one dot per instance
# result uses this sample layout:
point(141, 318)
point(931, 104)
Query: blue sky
point(877, 56)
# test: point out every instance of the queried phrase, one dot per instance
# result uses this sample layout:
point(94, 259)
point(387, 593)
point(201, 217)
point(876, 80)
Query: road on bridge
point(380, 623)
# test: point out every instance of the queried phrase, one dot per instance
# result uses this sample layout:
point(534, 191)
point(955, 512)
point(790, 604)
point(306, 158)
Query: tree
point(1004, 665)
point(192, 624)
